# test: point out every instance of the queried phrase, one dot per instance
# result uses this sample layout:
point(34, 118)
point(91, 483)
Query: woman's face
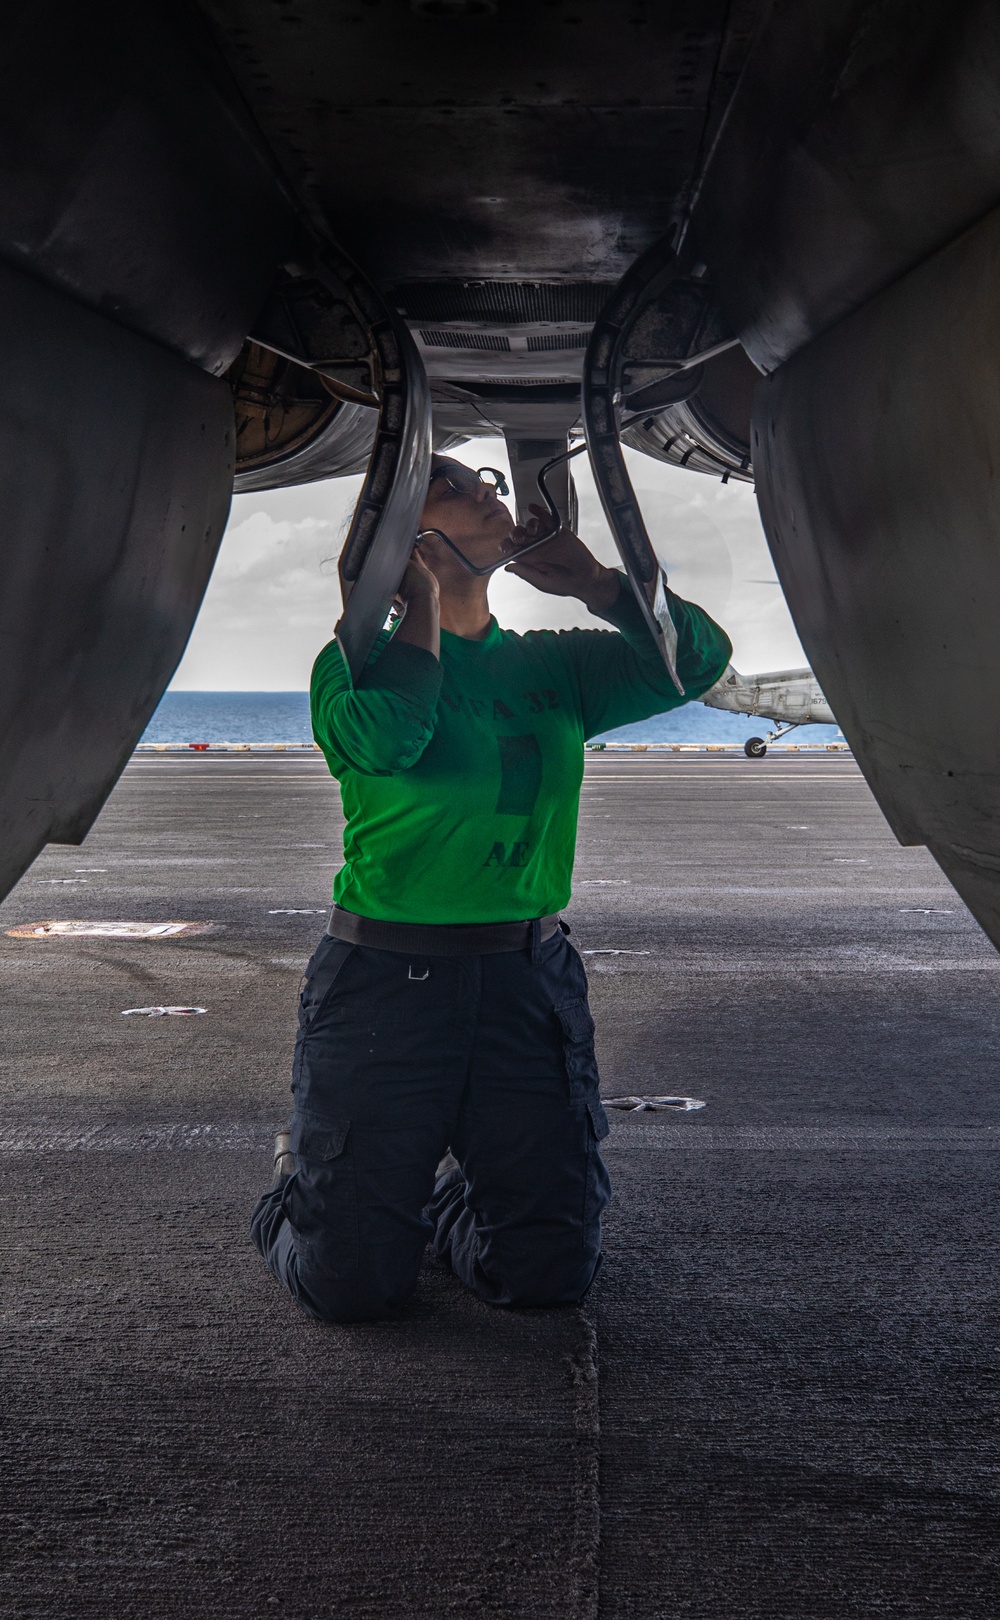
point(468, 511)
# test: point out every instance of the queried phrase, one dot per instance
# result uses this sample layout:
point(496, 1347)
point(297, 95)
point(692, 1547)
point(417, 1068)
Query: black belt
point(437, 939)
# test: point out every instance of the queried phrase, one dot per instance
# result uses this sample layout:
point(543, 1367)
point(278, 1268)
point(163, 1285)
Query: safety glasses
point(466, 480)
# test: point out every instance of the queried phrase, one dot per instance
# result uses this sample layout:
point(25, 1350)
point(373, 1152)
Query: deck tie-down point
point(163, 1012)
point(639, 1105)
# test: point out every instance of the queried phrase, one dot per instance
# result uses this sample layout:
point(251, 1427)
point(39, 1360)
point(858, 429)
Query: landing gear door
point(649, 342)
point(602, 371)
point(384, 528)
point(327, 315)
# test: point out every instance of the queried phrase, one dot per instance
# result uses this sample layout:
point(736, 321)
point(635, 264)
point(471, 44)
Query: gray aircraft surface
point(260, 243)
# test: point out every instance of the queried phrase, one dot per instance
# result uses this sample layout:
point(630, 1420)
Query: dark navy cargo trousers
point(399, 1058)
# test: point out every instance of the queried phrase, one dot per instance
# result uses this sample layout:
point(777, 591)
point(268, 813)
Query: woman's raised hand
point(563, 566)
point(417, 580)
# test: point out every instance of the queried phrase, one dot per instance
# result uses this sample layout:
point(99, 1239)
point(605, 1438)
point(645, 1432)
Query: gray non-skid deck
point(781, 1401)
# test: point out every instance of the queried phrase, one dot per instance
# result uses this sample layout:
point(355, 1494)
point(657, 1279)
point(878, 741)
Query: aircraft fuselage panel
point(877, 449)
point(116, 470)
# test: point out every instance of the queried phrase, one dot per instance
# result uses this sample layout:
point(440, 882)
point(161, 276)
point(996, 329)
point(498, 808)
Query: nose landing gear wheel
point(755, 748)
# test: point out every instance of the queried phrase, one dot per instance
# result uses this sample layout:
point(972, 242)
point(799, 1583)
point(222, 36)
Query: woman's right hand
point(419, 601)
point(418, 581)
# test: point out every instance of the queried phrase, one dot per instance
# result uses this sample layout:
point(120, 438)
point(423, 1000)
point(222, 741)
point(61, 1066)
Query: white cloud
point(274, 597)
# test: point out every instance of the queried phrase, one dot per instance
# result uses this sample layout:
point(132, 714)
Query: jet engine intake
point(291, 426)
point(708, 428)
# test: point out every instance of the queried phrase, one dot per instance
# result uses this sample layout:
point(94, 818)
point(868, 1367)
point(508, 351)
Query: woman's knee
point(569, 1288)
point(343, 1306)
point(355, 1296)
point(543, 1280)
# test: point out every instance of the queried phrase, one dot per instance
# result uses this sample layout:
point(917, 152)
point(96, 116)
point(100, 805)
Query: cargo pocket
point(578, 1053)
point(321, 1199)
point(597, 1193)
point(315, 1138)
point(598, 1118)
point(325, 964)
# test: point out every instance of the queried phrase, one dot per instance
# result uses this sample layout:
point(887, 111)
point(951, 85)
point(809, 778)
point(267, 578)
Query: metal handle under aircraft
point(647, 278)
point(326, 314)
point(387, 515)
point(501, 562)
point(664, 626)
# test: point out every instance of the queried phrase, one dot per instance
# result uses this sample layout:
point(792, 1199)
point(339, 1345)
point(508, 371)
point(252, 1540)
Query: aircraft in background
point(791, 697)
point(268, 243)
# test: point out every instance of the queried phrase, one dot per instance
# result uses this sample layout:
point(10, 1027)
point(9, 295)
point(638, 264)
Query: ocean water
point(230, 717)
point(284, 717)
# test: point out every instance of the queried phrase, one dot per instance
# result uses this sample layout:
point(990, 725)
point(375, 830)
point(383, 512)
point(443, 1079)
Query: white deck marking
point(242, 1136)
point(819, 1138)
point(238, 1136)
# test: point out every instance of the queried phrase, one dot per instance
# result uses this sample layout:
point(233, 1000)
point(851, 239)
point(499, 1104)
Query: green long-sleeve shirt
point(460, 779)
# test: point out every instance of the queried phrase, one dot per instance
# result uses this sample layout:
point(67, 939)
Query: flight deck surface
point(780, 1402)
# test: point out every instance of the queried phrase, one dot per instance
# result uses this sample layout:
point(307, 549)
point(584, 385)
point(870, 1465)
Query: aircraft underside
point(282, 242)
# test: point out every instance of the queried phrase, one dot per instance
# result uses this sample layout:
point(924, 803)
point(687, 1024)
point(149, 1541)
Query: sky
point(274, 596)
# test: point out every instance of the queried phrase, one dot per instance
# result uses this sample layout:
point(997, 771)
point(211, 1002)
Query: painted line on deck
point(248, 1137)
point(232, 1136)
point(820, 1138)
point(783, 969)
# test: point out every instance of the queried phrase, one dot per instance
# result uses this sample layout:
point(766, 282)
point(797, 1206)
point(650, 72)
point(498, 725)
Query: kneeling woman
point(445, 1008)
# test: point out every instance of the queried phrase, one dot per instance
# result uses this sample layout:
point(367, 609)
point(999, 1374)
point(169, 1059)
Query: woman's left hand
point(563, 566)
